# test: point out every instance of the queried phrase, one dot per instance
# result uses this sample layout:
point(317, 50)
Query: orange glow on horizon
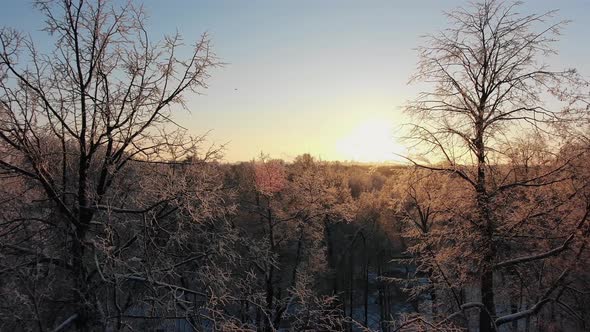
point(371, 141)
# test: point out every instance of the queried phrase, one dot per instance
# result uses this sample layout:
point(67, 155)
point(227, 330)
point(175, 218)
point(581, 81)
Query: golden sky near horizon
point(327, 78)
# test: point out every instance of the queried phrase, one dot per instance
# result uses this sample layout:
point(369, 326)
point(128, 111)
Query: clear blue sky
point(311, 75)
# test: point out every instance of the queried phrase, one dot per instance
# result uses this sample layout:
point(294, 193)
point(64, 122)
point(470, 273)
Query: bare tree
point(72, 121)
point(425, 201)
point(489, 82)
point(282, 213)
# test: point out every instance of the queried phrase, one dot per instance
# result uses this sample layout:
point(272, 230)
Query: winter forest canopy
point(114, 217)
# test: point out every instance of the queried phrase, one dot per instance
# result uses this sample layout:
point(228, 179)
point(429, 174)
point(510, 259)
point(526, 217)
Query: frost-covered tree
point(282, 212)
point(489, 83)
point(111, 195)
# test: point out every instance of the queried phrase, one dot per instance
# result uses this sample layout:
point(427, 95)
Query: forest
point(113, 217)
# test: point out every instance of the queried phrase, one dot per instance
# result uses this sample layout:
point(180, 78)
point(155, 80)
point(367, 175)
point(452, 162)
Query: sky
point(326, 77)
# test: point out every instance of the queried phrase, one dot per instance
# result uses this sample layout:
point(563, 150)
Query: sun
point(371, 141)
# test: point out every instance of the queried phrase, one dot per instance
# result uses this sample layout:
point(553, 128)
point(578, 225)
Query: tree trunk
point(366, 283)
point(351, 286)
point(487, 298)
point(83, 298)
point(331, 258)
point(381, 297)
point(270, 274)
point(487, 228)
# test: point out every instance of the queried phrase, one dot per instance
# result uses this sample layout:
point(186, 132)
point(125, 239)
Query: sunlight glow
point(371, 141)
